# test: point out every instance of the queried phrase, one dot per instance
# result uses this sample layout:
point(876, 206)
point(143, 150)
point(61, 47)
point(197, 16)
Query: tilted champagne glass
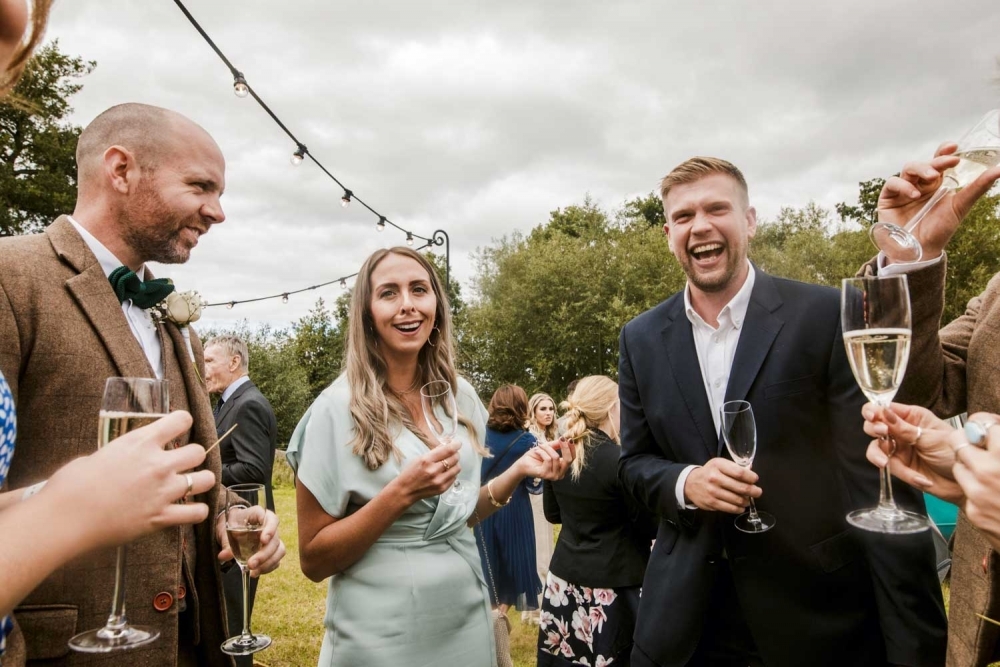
point(875, 317)
point(128, 404)
point(245, 511)
point(445, 427)
point(977, 151)
point(739, 430)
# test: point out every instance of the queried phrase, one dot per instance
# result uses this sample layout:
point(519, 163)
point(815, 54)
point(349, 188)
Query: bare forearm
point(344, 542)
point(39, 536)
point(503, 488)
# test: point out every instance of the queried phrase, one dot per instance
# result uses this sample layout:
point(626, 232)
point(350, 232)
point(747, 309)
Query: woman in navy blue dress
point(507, 539)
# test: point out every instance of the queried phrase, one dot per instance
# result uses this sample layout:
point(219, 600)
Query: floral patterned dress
point(8, 428)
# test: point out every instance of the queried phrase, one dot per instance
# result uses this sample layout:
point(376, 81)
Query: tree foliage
point(38, 145)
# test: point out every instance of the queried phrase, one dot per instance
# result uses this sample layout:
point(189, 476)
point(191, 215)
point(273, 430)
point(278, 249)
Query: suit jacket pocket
point(789, 387)
point(666, 538)
point(47, 629)
point(835, 552)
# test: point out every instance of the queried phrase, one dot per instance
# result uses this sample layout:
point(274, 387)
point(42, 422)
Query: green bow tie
point(143, 294)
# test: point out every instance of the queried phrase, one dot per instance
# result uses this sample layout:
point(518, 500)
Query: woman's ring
point(447, 466)
point(976, 432)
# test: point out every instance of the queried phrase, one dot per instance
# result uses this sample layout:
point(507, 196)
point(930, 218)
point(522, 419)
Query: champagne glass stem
point(754, 518)
point(116, 621)
point(931, 203)
point(245, 572)
point(885, 500)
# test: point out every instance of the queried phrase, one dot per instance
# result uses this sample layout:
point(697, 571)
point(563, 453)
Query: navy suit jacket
point(813, 590)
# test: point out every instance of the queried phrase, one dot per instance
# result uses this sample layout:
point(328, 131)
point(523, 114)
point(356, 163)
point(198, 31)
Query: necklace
point(413, 387)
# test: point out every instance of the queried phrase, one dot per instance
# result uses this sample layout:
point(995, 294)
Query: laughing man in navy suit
point(811, 591)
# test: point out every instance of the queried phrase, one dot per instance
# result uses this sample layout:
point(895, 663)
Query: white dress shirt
point(716, 348)
point(138, 318)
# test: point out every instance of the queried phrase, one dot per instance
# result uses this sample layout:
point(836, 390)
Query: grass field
point(290, 608)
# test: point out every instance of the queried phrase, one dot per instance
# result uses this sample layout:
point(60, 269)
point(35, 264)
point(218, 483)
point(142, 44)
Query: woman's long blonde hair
point(588, 407)
point(377, 411)
point(34, 33)
point(550, 432)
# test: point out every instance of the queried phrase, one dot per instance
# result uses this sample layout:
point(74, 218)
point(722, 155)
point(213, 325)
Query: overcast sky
point(480, 118)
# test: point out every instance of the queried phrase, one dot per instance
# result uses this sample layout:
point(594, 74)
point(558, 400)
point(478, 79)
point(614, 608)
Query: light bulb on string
point(343, 283)
point(230, 305)
point(240, 87)
point(298, 155)
point(284, 298)
point(345, 201)
point(409, 238)
point(380, 225)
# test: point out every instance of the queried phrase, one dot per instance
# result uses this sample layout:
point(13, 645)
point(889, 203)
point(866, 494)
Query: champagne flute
point(875, 317)
point(739, 430)
point(977, 151)
point(128, 404)
point(444, 427)
point(244, 525)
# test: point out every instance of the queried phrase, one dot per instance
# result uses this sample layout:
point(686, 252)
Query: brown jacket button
point(163, 601)
point(182, 592)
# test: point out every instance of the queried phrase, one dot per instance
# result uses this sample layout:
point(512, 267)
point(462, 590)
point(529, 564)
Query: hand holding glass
point(977, 151)
point(444, 426)
point(127, 404)
point(245, 513)
point(875, 317)
point(739, 430)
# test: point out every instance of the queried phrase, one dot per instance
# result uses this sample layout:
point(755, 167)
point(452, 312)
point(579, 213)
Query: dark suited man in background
point(247, 453)
point(811, 591)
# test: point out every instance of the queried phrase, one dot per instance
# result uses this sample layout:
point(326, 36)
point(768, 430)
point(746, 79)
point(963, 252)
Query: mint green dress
point(417, 597)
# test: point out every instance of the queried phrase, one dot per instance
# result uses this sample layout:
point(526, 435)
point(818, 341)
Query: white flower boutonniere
point(181, 308)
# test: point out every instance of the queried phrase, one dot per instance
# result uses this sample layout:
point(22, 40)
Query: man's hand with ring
point(977, 471)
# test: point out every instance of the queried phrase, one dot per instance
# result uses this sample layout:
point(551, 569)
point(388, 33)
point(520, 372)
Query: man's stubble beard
point(151, 231)
point(732, 268)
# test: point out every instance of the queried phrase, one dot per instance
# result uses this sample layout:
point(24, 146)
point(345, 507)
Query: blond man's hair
point(233, 346)
point(697, 168)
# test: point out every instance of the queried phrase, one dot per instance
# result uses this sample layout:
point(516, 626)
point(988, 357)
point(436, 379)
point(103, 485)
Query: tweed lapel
point(683, 359)
point(92, 291)
point(760, 329)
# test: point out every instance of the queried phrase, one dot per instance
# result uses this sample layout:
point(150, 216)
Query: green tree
point(38, 145)
point(646, 210)
point(318, 343)
point(865, 212)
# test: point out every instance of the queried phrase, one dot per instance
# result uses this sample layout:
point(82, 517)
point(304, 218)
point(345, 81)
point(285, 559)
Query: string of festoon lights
point(243, 89)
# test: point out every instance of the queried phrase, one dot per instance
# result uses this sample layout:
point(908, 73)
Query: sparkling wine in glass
point(128, 404)
point(245, 511)
point(739, 430)
point(443, 424)
point(978, 151)
point(875, 316)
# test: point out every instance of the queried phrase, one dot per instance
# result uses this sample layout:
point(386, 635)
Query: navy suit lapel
point(683, 359)
point(760, 328)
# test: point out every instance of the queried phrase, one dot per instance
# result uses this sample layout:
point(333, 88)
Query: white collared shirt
point(716, 348)
point(231, 389)
point(139, 320)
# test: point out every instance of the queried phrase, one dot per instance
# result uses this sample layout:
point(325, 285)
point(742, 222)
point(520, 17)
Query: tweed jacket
point(62, 334)
point(953, 370)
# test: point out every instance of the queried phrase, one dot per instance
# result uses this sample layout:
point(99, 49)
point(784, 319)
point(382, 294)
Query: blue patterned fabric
point(8, 428)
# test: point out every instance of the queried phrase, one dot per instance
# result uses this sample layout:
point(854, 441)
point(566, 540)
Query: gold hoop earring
point(429, 341)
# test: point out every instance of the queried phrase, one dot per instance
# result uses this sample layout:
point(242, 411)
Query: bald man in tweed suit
point(149, 187)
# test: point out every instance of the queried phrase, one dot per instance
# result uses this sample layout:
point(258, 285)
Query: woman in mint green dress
point(406, 586)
